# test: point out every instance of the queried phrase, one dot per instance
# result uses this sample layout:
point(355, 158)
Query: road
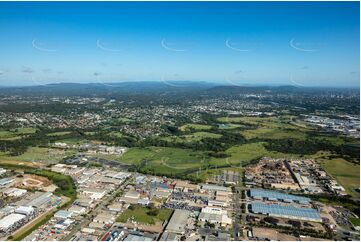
point(89, 217)
point(237, 211)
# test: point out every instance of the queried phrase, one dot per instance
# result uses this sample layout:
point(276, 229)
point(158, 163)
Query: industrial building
point(10, 221)
point(40, 199)
point(14, 192)
point(5, 181)
point(260, 194)
point(215, 215)
point(282, 211)
point(136, 237)
point(178, 221)
point(24, 210)
point(63, 214)
point(214, 188)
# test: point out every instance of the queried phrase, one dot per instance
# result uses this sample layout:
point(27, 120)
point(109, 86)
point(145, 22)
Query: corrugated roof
point(285, 211)
point(277, 195)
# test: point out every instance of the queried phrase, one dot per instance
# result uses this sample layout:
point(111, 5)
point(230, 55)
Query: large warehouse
point(9, 221)
point(178, 221)
point(279, 196)
point(290, 212)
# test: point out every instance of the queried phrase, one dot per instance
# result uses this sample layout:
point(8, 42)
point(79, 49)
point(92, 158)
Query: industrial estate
point(179, 121)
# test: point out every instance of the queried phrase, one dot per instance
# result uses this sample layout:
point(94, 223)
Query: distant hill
point(148, 87)
point(106, 88)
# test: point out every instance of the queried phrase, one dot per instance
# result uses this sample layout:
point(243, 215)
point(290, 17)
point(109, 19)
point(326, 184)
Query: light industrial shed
point(273, 195)
point(290, 212)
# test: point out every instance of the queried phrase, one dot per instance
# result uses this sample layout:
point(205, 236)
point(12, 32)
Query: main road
point(89, 217)
point(237, 211)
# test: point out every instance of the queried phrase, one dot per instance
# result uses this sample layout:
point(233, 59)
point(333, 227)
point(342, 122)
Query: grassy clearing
point(201, 135)
point(346, 173)
point(15, 133)
point(72, 141)
point(355, 221)
point(144, 215)
point(65, 184)
point(197, 136)
point(59, 133)
point(38, 154)
point(244, 154)
point(273, 133)
point(195, 127)
point(168, 160)
point(21, 163)
point(282, 122)
point(335, 140)
point(116, 134)
point(125, 120)
point(165, 159)
point(229, 126)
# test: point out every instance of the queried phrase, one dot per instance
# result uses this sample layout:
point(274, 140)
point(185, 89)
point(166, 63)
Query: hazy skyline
point(287, 43)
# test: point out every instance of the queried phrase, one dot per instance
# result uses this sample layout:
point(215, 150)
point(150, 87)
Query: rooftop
point(286, 211)
point(277, 195)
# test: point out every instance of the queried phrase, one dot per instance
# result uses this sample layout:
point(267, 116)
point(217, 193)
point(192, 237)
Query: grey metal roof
point(285, 211)
point(277, 195)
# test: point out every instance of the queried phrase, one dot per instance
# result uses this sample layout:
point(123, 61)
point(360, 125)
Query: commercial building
point(282, 211)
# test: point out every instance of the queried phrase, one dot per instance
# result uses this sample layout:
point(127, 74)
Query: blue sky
point(299, 43)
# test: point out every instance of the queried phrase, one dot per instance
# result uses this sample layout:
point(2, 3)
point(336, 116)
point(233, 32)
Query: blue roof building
point(283, 211)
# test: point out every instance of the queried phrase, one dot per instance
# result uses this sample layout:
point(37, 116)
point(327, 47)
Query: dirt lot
point(30, 181)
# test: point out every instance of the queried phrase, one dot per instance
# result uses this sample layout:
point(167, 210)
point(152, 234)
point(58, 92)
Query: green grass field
point(16, 133)
point(59, 133)
point(143, 215)
point(165, 159)
point(346, 173)
point(115, 134)
point(355, 221)
point(174, 160)
point(37, 154)
point(195, 127)
point(229, 126)
point(273, 133)
point(197, 136)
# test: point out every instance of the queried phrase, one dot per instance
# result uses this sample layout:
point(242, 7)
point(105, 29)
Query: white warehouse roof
point(24, 210)
point(10, 220)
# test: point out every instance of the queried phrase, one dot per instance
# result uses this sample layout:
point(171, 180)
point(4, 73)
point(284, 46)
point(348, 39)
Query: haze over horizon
point(241, 43)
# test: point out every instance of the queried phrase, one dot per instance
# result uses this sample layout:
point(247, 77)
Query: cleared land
point(144, 215)
point(38, 154)
point(197, 136)
point(346, 173)
point(164, 159)
point(59, 133)
point(195, 127)
point(15, 133)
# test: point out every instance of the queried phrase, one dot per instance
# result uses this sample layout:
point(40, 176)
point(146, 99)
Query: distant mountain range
point(140, 87)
